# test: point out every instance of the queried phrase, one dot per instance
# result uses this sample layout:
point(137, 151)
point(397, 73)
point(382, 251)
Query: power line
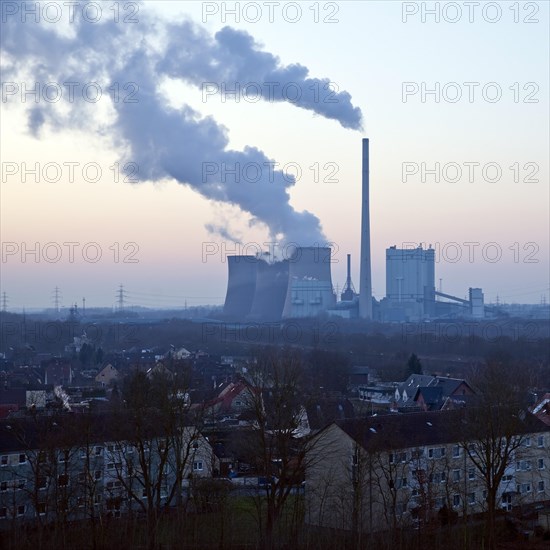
point(56, 299)
point(120, 294)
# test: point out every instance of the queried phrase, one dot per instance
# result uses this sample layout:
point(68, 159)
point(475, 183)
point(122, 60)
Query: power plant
point(301, 285)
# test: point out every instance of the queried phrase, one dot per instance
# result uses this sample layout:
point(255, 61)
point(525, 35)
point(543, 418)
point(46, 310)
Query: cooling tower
point(309, 283)
point(365, 284)
point(271, 289)
point(241, 286)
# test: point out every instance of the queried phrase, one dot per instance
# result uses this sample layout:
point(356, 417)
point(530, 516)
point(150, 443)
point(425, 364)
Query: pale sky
point(367, 51)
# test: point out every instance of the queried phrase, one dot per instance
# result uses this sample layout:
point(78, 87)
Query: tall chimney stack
point(365, 284)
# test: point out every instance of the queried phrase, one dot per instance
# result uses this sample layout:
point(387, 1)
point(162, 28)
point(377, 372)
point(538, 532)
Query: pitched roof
point(324, 411)
point(432, 396)
point(396, 431)
point(448, 385)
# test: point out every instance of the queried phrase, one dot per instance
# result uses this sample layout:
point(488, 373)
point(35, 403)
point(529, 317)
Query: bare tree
point(493, 431)
point(155, 443)
point(280, 440)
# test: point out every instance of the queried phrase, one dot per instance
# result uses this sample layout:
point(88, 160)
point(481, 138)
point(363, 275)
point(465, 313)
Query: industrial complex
point(301, 285)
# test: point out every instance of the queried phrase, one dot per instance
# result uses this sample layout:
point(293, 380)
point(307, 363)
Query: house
point(177, 354)
point(160, 370)
point(379, 394)
point(83, 465)
point(406, 391)
point(358, 376)
point(232, 398)
point(398, 470)
point(407, 394)
point(107, 375)
point(58, 373)
point(542, 409)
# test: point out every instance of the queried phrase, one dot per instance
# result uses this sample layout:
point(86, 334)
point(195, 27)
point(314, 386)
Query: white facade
point(410, 274)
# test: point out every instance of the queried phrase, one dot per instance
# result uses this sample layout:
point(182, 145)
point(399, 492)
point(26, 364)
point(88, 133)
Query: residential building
point(82, 466)
point(398, 470)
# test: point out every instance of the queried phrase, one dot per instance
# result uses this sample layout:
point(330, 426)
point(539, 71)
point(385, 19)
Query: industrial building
point(301, 286)
point(295, 288)
point(310, 289)
point(410, 284)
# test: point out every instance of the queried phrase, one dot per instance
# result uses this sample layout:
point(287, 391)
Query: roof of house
point(432, 396)
point(72, 429)
point(322, 412)
point(395, 431)
point(448, 385)
point(413, 382)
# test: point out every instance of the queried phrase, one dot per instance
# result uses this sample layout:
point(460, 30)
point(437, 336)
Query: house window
point(438, 452)
point(41, 508)
point(41, 482)
point(4, 460)
point(456, 475)
point(22, 458)
point(21, 510)
point(540, 441)
point(3, 512)
point(540, 486)
point(527, 442)
point(456, 500)
point(97, 499)
point(4, 486)
point(197, 466)
point(471, 498)
point(523, 465)
point(456, 451)
point(541, 463)
point(439, 502)
point(98, 451)
point(438, 477)
point(506, 479)
point(63, 480)
point(471, 474)
point(98, 474)
point(64, 456)
point(404, 482)
point(398, 457)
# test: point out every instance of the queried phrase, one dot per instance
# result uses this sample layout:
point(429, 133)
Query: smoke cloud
point(167, 142)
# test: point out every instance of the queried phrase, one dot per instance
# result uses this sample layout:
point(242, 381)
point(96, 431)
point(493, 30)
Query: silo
point(271, 289)
point(241, 286)
point(309, 283)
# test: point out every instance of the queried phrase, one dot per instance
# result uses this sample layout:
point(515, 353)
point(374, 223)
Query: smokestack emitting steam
point(365, 284)
point(171, 141)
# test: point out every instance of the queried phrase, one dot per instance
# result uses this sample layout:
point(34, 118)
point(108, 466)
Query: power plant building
point(309, 283)
point(301, 286)
point(410, 284)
